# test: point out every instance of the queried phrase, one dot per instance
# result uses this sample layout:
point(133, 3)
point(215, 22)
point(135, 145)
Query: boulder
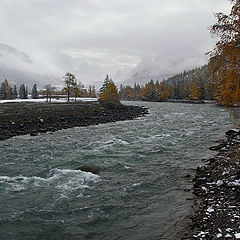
point(233, 132)
point(90, 168)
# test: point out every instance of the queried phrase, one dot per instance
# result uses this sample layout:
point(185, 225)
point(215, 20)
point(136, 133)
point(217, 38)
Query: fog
point(92, 38)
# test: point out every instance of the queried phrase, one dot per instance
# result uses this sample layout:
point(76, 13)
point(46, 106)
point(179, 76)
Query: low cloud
point(92, 38)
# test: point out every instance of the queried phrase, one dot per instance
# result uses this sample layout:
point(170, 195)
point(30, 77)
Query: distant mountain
point(17, 67)
point(9, 54)
point(146, 75)
point(143, 77)
point(189, 76)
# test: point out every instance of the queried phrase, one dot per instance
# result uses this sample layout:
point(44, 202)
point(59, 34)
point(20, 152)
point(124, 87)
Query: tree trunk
point(68, 94)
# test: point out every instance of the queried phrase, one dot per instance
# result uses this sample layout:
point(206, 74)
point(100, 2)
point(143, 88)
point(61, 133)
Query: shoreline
point(216, 190)
point(33, 118)
point(187, 101)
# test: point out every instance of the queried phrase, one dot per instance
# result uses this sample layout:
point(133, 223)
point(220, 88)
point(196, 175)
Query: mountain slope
point(17, 67)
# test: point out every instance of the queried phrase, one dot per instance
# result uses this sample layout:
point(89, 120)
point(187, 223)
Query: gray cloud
point(118, 37)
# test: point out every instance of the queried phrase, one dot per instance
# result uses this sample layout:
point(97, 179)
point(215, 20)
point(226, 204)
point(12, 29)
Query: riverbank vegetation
point(192, 85)
point(108, 92)
point(225, 58)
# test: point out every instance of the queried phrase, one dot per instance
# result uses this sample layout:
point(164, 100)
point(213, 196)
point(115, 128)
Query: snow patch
point(42, 100)
point(210, 210)
point(237, 235)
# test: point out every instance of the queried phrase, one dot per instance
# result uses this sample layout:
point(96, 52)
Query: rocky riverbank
point(216, 192)
point(33, 118)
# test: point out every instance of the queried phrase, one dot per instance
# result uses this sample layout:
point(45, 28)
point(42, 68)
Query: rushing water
point(139, 192)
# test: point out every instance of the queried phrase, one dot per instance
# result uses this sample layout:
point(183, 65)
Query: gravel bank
point(217, 193)
point(33, 118)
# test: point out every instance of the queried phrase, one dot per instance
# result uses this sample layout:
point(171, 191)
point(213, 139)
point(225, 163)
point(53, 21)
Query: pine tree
point(11, 93)
point(22, 92)
point(15, 93)
point(2, 92)
point(105, 84)
point(35, 94)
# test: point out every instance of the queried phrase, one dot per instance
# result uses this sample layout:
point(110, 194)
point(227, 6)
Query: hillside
point(189, 76)
point(17, 67)
point(193, 85)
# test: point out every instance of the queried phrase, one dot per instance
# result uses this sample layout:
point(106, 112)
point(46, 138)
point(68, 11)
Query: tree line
point(8, 91)
point(190, 85)
point(72, 88)
point(219, 80)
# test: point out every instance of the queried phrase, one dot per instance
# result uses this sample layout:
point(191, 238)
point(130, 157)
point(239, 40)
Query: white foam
point(62, 179)
point(122, 142)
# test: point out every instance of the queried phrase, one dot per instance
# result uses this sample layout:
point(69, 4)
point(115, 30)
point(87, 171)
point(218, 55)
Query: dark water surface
point(139, 193)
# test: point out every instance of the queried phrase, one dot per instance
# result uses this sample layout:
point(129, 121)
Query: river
point(137, 196)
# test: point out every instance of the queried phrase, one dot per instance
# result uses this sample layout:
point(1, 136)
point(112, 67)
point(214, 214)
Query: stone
point(90, 168)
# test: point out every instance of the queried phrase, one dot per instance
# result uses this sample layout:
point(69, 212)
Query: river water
point(139, 192)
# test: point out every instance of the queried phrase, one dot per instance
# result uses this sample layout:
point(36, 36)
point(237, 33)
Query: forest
point(194, 84)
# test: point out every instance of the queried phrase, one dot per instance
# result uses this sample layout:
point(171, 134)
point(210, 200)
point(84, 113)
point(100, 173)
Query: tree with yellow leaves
point(225, 59)
point(195, 92)
point(109, 93)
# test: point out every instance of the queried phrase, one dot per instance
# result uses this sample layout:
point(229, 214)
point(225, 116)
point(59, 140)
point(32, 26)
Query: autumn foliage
point(225, 59)
point(108, 92)
point(195, 92)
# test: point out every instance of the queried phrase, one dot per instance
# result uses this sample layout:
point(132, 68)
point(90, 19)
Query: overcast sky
point(118, 37)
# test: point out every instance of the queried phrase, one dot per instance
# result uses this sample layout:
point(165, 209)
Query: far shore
point(176, 101)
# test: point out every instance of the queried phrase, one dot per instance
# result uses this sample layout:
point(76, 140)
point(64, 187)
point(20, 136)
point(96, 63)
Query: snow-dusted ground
point(52, 100)
point(217, 188)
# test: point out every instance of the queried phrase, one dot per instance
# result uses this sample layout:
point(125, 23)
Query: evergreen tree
point(35, 94)
point(15, 94)
point(2, 92)
point(11, 93)
point(26, 93)
point(105, 84)
point(22, 92)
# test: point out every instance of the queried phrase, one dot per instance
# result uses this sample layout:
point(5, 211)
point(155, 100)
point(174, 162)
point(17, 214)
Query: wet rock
point(90, 168)
point(218, 147)
point(188, 176)
point(216, 191)
point(233, 132)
